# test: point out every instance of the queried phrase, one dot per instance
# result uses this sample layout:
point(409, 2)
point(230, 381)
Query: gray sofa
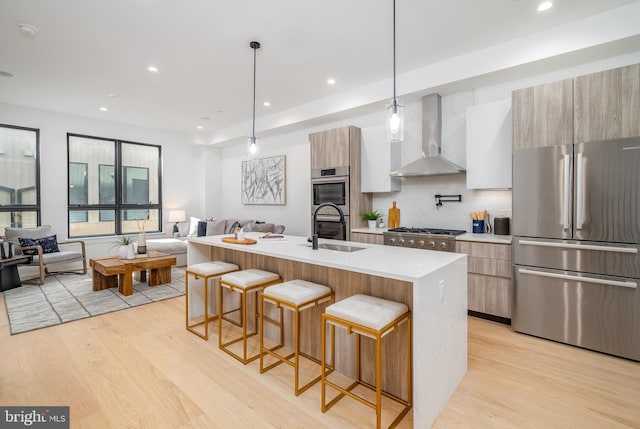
point(177, 246)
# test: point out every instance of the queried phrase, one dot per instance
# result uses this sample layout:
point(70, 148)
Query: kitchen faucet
point(314, 237)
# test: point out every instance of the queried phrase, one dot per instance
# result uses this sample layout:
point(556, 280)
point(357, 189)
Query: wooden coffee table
point(111, 271)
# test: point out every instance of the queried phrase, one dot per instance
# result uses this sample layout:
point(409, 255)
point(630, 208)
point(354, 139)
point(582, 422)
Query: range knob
point(401, 241)
point(411, 242)
point(443, 245)
point(392, 240)
point(421, 243)
point(432, 244)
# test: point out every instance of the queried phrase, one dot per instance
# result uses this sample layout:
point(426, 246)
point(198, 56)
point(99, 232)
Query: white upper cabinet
point(489, 145)
point(379, 158)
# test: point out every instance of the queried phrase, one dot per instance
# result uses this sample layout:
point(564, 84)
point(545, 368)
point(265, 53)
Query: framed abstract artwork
point(263, 181)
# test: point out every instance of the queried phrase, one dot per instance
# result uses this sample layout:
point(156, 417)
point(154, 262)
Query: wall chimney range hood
point(431, 163)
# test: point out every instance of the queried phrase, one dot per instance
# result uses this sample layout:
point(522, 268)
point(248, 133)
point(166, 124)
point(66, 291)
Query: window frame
point(37, 207)
point(118, 207)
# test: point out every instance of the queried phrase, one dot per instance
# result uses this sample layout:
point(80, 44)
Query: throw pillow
point(193, 228)
point(259, 227)
point(202, 228)
point(183, 228)
point(216, 227)
point(48, 244)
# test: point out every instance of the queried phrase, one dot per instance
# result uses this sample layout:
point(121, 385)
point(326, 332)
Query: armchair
point(47, 261)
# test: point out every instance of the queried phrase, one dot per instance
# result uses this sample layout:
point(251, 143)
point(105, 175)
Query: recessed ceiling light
point(103, 109)
point(5, 74)
point(199, 127)
point(331, 81)
point(266, 104)
point(28, 30)
point(545, 5)
point(153, 69)
point(113, 95)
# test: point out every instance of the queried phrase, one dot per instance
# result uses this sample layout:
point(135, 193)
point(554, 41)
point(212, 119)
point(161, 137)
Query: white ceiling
point(86, 49)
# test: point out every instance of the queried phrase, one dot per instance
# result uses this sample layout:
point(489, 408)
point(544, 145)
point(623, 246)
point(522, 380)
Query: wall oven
point(331, 185)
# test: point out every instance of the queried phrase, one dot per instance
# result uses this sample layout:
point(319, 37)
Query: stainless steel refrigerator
point(576, 239)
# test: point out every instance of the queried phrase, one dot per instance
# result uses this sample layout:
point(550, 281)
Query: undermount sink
point(337, 247)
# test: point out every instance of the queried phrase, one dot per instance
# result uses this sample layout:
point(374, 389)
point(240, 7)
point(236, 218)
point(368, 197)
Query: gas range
point(423, 238)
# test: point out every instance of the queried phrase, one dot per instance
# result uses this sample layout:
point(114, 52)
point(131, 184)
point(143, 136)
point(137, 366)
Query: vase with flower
point(142, 238)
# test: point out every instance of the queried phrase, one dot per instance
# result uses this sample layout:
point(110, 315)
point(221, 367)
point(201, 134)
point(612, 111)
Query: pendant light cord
point(395, 100)
point(255, 46)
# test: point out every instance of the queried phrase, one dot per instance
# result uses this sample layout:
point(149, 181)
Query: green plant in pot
point(370, 217)
point(123, 243)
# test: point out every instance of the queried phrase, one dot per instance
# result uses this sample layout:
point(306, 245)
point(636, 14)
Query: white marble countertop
point(385, 261)
point(486, 238)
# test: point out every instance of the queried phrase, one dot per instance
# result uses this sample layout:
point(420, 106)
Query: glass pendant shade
point(395, 122)
point(253, 147)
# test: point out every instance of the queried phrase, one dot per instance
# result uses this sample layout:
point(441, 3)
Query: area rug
point(67, 297)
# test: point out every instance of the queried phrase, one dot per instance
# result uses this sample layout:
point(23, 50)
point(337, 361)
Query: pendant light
point(252, 143)
point(395, 110)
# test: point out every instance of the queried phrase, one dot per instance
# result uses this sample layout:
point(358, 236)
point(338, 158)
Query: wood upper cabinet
point(543, 115)
point(607, 104)
point(489, 283)
point(330, 148)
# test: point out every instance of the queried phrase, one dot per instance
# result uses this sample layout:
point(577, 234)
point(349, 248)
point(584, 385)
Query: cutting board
point(393, 218)
point(236, 241)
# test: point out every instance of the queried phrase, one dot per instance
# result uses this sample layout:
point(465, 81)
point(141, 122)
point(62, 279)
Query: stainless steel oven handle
point(631, 250)
point(329, 218)
point(330, 179)
point(632, 285)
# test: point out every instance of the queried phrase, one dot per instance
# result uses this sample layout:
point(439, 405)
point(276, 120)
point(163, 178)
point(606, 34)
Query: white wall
point(416, 198)
point(183, 164)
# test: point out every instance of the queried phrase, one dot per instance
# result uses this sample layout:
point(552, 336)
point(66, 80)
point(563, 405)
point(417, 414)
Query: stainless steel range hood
point(431, 163)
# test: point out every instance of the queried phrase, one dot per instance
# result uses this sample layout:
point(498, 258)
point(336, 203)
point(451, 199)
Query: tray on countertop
point(236, 241)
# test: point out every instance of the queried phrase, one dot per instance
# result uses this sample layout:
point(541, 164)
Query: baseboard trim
point(491, 317)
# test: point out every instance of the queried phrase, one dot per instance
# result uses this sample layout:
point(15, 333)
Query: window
point(19, 177)
point(114, 186)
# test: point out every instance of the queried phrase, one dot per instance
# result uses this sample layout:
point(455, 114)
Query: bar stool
point(374, 318)
point(206, 271)
point(296, 296)
point(243, 282)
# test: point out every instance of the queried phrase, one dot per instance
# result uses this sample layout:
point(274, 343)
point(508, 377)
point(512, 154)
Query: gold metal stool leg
point(376, 335)
point(297, 353)
point(244, 292)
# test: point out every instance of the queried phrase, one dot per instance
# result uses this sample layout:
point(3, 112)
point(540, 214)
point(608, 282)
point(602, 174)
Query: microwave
point(330, 186)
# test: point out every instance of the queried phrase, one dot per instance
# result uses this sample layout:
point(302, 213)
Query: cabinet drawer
point(363, 237)
point(485, 250)
point(489, 267)
point(490, 295)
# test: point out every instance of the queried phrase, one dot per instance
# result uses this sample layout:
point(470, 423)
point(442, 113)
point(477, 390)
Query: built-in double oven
point(331, 185)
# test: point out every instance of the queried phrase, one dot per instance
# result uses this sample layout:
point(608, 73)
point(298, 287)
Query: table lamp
point(177, 216)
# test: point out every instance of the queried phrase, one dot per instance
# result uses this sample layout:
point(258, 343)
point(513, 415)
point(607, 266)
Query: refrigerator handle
point(579, 192)
point(565, 192)
point(571, 246)
point(632, 285)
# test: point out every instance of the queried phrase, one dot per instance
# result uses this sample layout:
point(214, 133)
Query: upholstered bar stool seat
point(374, 318)
point(244, 283)
point(296, 296)
point(206, 271)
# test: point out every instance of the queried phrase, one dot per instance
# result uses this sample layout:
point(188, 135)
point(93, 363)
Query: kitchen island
point(432, 284)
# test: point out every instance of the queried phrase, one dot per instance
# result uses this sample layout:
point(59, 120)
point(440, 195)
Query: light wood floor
point(140, 368)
